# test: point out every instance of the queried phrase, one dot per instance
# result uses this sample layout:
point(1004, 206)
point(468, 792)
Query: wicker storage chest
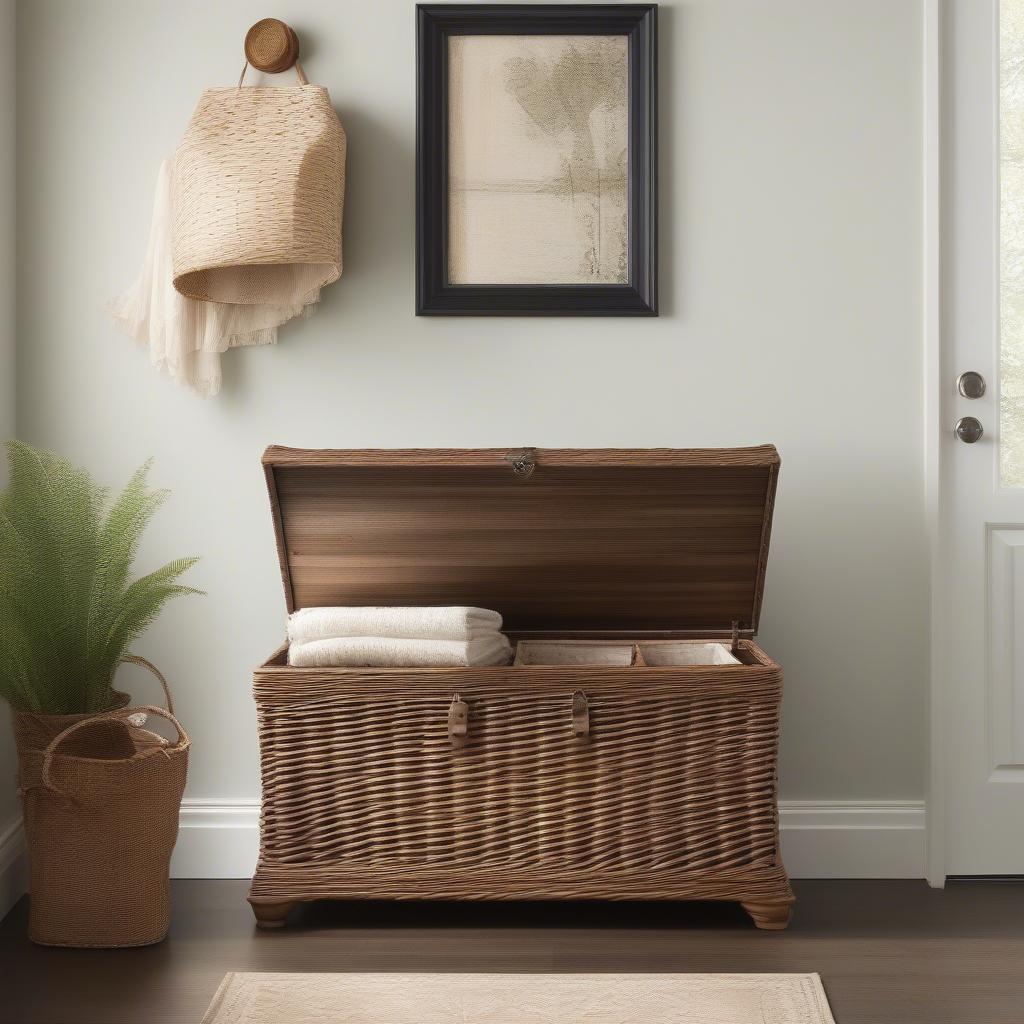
point(615, 759)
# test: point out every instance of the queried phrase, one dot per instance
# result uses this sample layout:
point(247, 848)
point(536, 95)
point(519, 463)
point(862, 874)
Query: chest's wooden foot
point(270, 915)
point(769, 916)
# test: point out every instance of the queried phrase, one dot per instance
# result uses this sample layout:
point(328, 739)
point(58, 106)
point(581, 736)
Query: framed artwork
point(536, 159)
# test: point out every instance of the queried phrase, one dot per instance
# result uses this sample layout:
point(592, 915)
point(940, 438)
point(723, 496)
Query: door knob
point(971, 384)
point(968, 429)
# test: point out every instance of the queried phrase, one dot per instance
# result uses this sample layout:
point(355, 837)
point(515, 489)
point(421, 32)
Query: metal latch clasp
point(458, 721)
point(522, 461)
point(580, 715)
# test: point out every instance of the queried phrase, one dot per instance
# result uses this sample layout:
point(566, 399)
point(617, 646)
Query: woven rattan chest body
point(633, 782)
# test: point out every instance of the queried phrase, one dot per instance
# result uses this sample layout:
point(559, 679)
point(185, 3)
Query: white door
point(980, 651)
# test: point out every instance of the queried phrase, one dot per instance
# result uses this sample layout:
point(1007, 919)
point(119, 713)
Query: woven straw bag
point(257, 189)
point(101, 804)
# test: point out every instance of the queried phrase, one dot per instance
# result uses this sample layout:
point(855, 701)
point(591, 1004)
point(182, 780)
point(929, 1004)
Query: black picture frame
point(435, 296)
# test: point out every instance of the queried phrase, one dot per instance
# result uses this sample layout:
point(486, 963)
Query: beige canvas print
point(538, 160)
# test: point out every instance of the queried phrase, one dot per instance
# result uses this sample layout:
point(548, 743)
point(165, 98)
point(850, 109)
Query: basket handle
point(110, 716)
point(135, 659)
point(299, 74)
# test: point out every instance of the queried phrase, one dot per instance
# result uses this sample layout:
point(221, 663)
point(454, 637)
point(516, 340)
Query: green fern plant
point(69, 608)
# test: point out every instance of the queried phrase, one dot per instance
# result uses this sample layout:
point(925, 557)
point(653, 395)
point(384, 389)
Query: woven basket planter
point(101, 799)
point(257, 190)
point(34, 732)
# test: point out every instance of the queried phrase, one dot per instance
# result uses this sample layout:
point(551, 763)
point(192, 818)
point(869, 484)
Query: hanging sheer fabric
point(187, 336)
point(246, 228)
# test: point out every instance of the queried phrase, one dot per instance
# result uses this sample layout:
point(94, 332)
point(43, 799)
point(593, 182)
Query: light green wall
point(791, 294)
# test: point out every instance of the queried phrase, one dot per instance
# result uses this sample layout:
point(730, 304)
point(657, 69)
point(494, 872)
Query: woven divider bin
point(592, 776)
point(101, 799)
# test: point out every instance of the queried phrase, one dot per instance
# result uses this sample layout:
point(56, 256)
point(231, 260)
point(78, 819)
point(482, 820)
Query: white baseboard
point(13, 870)
point(853, 838)
point(217, 839)
point(820, 839)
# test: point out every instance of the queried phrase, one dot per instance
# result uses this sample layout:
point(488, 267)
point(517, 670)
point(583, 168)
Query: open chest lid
point(587, 541)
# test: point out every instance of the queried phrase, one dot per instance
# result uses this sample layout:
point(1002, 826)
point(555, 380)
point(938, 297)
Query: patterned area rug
point(520, 999)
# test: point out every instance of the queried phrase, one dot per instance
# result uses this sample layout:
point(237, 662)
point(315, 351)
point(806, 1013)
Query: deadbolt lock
point(971, 384)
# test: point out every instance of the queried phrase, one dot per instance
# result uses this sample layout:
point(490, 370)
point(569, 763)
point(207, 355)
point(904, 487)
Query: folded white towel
point(399, 652)
point(407, 623)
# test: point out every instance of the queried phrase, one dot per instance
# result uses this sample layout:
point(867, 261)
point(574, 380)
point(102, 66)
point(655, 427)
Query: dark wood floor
point(896, 952)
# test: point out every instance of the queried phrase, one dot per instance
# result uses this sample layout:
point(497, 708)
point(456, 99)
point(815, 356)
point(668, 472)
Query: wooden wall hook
point(271, 46)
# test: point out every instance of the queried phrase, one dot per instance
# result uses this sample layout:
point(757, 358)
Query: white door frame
point(942, 192)
point(939, 373)
point(934, 375)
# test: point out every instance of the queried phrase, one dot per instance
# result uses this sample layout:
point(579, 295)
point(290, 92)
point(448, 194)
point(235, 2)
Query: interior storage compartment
point(575, 652)
point(686, 652)
point(624, 653)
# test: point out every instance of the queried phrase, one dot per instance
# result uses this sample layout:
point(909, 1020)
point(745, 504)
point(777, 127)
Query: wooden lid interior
point(654, 541)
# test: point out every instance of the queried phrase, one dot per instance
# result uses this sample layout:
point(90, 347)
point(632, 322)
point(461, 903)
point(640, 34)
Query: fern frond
point(119, 539)
point(139, 605)
point(68, 608)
